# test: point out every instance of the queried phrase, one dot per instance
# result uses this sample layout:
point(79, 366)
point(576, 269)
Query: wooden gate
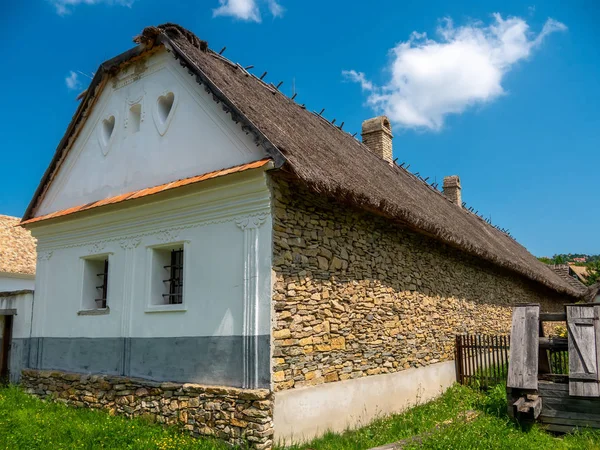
point(582, 323)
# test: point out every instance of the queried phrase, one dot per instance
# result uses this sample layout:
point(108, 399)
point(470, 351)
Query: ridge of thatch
point(328, 160)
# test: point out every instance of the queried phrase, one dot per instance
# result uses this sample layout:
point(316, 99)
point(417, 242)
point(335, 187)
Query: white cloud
point(358, 77)
point(64, 7)
point(275, 8)
point(247, 10)
point(465, 66)
point(72, 81)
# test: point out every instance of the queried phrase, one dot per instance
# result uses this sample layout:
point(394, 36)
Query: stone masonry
point(238, 416)
point(355, 295)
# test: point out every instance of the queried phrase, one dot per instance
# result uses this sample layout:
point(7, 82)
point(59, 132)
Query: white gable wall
point(197, 137)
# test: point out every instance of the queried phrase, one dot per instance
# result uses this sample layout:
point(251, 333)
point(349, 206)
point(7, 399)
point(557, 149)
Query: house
point(216, 255)
point(581, 272)
point(17, 278)
point(569, 273)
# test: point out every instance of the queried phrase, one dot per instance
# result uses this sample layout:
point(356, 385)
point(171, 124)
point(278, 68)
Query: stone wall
point(355, 295)
point(237, 416)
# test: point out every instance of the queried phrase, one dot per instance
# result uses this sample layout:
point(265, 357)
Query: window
point(175, 281)
point(167, 277)
point(95, 282)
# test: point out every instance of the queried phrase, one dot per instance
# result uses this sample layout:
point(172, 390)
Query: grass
point(28, 423)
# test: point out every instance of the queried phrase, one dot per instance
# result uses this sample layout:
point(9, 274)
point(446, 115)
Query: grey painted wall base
point(203, 360)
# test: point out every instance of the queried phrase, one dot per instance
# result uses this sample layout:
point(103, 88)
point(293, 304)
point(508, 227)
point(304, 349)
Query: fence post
point(458, 358)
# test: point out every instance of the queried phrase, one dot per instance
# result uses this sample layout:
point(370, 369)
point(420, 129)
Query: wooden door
point(524, 347)
point(6, 328)
point(582, 325)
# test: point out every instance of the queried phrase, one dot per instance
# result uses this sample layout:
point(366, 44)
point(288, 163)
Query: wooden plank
point(571, 404)
point(579, 423)
point(558, 428)
point(524, 348)
point(553, 317)
point(569, 415)
point(557, 390)
point(583, 351)
point(574, 423)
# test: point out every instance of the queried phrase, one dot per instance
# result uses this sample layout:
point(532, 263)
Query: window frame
point(85, 302)
point(152, 278)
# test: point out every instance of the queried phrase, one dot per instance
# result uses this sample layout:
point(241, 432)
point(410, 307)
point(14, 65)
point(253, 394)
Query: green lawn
point(461, 419)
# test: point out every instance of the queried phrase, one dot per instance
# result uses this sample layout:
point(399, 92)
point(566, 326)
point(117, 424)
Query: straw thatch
point(330, 161)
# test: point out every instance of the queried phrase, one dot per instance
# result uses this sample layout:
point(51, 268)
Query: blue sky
point(503, 93)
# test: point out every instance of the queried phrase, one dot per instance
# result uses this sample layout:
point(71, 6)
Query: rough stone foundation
point(356, 295)
point(234, 415)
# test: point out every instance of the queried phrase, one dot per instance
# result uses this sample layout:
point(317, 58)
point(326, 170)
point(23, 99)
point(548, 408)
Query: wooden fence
point(481, 360)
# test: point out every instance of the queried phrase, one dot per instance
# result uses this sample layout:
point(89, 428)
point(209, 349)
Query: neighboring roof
point(17, 247)
point(566, 273)
point(593, 292)
point(150, 191)
point(580, 271)
point(325, 158)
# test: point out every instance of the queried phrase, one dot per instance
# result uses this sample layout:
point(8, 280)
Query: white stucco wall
point(206, 220)
point(225, 227)
point(198, 137)
point(16, 282)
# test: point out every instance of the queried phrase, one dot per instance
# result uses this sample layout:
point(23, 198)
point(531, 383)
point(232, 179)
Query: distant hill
point(564, 258)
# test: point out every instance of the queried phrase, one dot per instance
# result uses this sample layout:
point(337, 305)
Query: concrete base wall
point(302, 414)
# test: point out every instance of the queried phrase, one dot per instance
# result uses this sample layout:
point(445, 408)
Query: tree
point(593, 270)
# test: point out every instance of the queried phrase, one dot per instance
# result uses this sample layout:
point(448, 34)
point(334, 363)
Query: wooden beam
point(553, 317)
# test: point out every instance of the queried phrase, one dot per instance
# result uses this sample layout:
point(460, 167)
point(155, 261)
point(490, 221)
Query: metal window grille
point(175, 280)
point(103, 288)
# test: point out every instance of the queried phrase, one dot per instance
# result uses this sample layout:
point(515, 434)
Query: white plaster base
point(302, 414)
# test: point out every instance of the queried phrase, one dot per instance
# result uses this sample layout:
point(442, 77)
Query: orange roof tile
point(149, 191)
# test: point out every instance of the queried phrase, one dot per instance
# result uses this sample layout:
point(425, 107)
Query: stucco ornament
point(136, 96)
point(251, 221)
point(168, 235)
point(164, 109)
point(44, 255)
point(106, 131)
point(96, 247)
point(130, 243)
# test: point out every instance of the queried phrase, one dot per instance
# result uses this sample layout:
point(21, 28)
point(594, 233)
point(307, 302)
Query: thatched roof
point(17, 247)
point(566, 273)
point(323, 157)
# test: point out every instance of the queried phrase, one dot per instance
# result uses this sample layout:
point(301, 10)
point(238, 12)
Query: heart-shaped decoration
point(106, 132)
point(164, 111)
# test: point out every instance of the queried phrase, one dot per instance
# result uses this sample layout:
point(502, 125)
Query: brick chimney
point(452, 189)
point(377, 135)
